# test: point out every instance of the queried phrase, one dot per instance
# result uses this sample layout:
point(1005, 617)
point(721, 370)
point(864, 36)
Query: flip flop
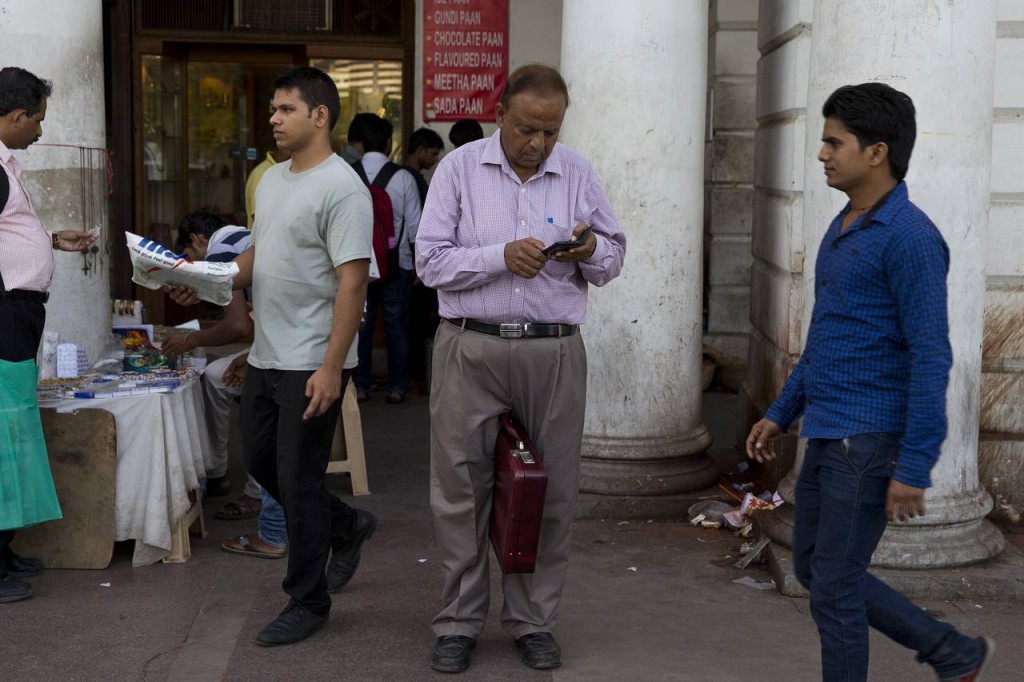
point(244, 507)
point(241, 545)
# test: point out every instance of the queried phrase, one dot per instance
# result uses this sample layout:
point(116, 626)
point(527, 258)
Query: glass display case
point(162, 127)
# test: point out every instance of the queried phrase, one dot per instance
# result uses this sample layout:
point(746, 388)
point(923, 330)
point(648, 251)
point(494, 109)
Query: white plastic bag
point(153, 266)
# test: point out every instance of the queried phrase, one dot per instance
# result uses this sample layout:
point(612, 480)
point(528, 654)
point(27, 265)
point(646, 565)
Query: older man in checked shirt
point(871, 385)
point(480, 244)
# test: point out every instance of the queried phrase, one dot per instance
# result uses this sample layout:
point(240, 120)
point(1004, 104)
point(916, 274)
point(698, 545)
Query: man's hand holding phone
point(580, 247)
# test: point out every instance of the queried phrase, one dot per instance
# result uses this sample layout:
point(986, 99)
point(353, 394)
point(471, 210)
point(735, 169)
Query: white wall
point(62, 41)
point(1001, 447)
point(535, 36)
point(781, 293)
point(728, 208)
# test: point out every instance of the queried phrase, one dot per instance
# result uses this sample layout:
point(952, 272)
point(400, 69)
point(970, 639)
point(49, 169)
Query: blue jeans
point(840, 517)
point(271, 523)
point(393, 297)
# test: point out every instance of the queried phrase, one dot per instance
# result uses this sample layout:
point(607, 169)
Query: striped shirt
point(227, 243)
point(878, 356)
point(26, 251)
point(477, 204)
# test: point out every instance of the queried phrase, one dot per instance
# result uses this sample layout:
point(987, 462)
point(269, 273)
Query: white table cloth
point(161, 438)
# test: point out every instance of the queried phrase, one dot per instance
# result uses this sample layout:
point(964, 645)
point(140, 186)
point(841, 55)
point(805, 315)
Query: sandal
point(243, 545)
point(244, 507)
point(218, 486)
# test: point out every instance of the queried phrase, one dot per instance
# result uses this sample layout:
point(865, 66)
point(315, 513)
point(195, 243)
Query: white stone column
point(942, 55)
point(637, 79)
point(63, 42)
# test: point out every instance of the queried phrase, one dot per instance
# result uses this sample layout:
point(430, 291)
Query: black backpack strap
point(5, 192)
point(5, 189)
point(387, 172)
point(360, 171)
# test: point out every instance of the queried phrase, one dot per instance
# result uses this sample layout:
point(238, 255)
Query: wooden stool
point(191, 523)
point(347, 451)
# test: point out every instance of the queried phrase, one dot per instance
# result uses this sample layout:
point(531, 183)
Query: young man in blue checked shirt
point(871, 386)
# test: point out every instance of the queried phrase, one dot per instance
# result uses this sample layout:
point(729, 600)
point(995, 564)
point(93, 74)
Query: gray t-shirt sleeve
point(350, 229)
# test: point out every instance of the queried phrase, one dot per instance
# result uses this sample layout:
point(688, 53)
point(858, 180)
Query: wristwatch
point(56, 240)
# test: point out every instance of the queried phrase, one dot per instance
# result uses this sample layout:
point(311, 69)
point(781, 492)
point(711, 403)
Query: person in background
point(464, 131)
point(27, 495)
point(205, 236)
point(425, 146)
point(392, 296)
point(354, 150)
point(273, 156)
point(871, 386)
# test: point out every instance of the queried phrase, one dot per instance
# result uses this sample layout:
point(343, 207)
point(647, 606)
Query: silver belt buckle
point(510, 330)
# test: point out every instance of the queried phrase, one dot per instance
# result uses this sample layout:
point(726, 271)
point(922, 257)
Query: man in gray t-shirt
point(308, 268)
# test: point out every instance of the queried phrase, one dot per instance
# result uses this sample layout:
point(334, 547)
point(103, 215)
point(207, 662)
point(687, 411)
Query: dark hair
point(355, 128)
point(537, 78)
point(875, 112)
point(197, 222)
point(376, 134)
point(426, 138)
point(20, 89)
point(466, 130)
point(315, 88)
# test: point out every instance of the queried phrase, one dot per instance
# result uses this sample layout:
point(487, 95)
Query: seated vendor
point(204, 236)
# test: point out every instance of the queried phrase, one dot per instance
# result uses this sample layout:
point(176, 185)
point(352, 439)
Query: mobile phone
point(568, 244)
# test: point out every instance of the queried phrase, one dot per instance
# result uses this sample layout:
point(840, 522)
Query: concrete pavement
point(645, 600)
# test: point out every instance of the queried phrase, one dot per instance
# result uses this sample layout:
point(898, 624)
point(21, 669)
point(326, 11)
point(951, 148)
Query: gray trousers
point(475, 379)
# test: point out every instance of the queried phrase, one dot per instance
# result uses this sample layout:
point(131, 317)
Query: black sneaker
point(295, 624)
point(539, 650)
point(23, 566)
point(12, 589)
point(452, 653)
point(344, 562)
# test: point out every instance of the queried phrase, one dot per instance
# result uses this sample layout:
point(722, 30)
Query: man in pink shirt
point(510, 342)
point(26, 268)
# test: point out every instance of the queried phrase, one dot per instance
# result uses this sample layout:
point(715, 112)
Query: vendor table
point(161, 438)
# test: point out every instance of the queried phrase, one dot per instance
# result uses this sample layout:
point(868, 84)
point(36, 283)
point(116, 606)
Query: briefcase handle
point(516, 432)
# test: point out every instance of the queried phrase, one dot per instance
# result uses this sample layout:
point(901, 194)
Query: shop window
point(161, 145)
point(366, 86)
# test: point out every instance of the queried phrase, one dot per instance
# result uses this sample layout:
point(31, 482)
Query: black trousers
point(423, 321)
point(22, 324)
point(288, 456)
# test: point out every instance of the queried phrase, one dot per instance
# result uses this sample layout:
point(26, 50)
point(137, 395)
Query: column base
point(640, 467)
point(954, 534)
point(996, 580)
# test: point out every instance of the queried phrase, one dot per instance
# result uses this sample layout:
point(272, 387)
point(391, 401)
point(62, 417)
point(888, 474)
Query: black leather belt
point(26, 295)
point(516, 330)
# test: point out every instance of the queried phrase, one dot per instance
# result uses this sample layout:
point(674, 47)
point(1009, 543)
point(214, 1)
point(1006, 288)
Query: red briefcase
point(520, 483)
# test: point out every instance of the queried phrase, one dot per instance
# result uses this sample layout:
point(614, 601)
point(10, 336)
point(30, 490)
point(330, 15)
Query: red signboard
point(465, 58)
